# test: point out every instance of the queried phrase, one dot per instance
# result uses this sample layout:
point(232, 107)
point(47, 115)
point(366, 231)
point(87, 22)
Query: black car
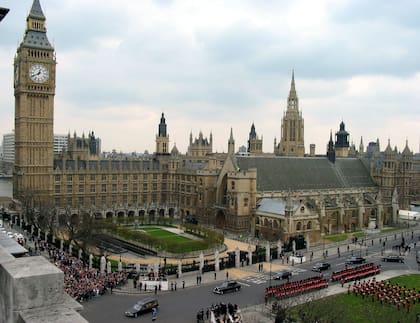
point(320, 266)
point(130, 270)
point(227, 286)
point(393, 258)
point(142, 306)
point(355, 260)
point(283, 274)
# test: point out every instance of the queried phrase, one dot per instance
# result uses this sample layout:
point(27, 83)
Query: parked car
point(355, 260)
point(393, 258)
point(130, 270)
point(227, 286)
point(142, 306)
point(320, 266)
point(283, 274)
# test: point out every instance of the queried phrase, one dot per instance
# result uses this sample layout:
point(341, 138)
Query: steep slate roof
point(294, 173)
point(36, 11)
point(275, 206)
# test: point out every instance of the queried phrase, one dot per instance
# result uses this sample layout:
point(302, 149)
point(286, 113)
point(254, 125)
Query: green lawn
point(164, 234)
point(389, 229)
point(345, 308)
point(336, 237)
point(359, 234)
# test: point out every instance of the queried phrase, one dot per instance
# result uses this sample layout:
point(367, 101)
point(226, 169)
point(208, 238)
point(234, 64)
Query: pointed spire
point(388, 148)
point(231, 136)
point(292, 86)
point(36, 11)
point(231, 143)
point(252, 134)
point(361, 147)
point(378, 148)
point(406, 150)
point(292, 100)
point(162, 126)
point(292, 93)
point(331, 149)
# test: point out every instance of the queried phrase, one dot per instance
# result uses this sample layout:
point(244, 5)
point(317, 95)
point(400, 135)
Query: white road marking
point(244, 284)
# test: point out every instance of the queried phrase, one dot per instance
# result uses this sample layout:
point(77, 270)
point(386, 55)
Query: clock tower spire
point(34, 90)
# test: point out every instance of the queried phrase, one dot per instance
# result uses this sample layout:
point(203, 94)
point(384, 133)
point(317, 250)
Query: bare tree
point(307, 312)
point(79, 226)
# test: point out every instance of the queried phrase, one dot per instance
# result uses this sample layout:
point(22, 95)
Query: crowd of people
point(80, 282)
point(83, 283)
point(220, 313)
point(293, 288)
point(353, 273)
point(386, 292)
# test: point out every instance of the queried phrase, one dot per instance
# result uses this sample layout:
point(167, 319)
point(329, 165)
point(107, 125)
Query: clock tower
point(34, 90)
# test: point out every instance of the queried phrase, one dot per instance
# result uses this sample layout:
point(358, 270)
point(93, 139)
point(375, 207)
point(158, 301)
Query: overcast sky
point(212, 65)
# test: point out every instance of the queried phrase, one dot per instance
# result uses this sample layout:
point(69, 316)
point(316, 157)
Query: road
point(182, 305)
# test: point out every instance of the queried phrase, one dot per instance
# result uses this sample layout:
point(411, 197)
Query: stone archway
point(222, 198)
point(74, 219)
point(171, 212)
point(109, 215)
point(152, 214)
point(220, 219)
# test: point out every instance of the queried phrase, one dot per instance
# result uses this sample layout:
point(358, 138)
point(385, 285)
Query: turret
point(342, 141)
point(331, 149)
point(254, 143)
point(162, 138)
point(361, 147)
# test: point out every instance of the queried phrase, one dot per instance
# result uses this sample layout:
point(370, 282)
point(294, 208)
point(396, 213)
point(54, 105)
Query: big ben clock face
point(38, 73)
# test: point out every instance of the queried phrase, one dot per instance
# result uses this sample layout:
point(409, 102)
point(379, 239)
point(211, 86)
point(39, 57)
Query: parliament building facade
point(269, 195)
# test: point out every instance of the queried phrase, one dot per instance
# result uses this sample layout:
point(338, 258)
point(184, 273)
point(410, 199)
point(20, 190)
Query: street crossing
point(263, 278)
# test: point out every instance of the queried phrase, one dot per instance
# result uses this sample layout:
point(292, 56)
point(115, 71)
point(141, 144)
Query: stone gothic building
point(270, 196)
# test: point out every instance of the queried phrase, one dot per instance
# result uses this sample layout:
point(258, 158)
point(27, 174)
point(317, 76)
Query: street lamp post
point(271, 258)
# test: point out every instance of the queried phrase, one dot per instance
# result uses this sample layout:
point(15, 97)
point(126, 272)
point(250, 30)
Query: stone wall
point(32, 290)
